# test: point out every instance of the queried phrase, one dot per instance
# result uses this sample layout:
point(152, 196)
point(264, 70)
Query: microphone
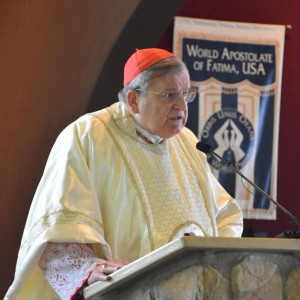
point(205, 148)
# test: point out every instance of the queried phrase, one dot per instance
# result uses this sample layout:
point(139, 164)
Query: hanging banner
point(236, 70)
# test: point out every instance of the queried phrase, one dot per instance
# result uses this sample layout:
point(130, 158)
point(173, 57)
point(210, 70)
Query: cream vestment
point(104, 186)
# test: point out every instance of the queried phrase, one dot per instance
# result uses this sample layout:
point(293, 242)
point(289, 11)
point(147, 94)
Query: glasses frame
point(187, 96)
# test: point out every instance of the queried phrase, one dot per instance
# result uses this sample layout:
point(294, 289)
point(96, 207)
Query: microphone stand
point(286, 234)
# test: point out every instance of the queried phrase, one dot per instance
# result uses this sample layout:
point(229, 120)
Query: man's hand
point(102, 272)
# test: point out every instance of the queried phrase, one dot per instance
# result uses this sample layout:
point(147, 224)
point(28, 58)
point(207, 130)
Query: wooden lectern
point(209, 268)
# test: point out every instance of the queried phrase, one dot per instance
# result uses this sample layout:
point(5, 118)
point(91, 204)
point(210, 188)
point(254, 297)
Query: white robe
point(104, 186)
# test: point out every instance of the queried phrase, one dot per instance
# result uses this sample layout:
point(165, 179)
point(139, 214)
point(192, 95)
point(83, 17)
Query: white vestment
point(104, 186)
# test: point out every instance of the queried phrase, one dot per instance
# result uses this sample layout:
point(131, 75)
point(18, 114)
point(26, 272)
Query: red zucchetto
point(141, 60)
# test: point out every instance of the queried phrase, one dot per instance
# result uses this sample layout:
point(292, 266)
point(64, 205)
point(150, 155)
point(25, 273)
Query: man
point(120, 183)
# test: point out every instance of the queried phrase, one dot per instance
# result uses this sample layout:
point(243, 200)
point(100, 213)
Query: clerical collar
point(146, 136)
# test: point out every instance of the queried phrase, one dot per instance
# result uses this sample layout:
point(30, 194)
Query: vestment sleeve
point(229, 216)
point(65, 209)
point(67, 267)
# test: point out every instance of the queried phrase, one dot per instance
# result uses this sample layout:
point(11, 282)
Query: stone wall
point(219, 275)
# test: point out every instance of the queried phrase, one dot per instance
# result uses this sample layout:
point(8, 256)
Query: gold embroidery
point(169, 198)
point(55, 218)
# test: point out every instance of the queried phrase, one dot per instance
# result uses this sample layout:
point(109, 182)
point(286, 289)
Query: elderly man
point(120, 183)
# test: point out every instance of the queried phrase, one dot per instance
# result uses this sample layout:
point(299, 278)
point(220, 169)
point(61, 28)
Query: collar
point(147, 136)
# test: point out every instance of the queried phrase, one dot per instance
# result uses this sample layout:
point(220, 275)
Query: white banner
point(236, 69)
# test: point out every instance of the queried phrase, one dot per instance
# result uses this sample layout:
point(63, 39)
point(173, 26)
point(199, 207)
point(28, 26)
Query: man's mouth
point(177, 118)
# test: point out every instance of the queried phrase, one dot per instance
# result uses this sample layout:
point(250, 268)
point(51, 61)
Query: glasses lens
point(173, 96)
point(170, 97)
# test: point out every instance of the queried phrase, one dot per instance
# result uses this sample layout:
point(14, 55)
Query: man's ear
point(132, 101)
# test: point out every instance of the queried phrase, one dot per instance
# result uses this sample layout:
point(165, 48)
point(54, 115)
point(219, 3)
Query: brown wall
point(58, 60)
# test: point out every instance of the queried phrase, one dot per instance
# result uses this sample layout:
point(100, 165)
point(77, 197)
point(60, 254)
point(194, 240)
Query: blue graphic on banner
point(229, 62)
point(231, 134)
point(263, 166)
point(228, 131)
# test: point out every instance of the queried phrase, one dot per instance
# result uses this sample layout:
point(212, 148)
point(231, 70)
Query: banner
point(236, 70)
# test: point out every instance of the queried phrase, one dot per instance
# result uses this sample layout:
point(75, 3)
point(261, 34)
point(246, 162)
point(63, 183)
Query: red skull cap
point(141, 60)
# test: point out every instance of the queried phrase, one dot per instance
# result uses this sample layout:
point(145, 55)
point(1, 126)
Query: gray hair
point(168, 66)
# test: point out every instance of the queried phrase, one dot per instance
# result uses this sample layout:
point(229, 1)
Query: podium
point(208, 268)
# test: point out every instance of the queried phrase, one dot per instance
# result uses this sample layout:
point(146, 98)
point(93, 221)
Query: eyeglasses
point(174, 96)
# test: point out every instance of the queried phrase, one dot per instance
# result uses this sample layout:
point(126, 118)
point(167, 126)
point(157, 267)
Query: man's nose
point(181, 104)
